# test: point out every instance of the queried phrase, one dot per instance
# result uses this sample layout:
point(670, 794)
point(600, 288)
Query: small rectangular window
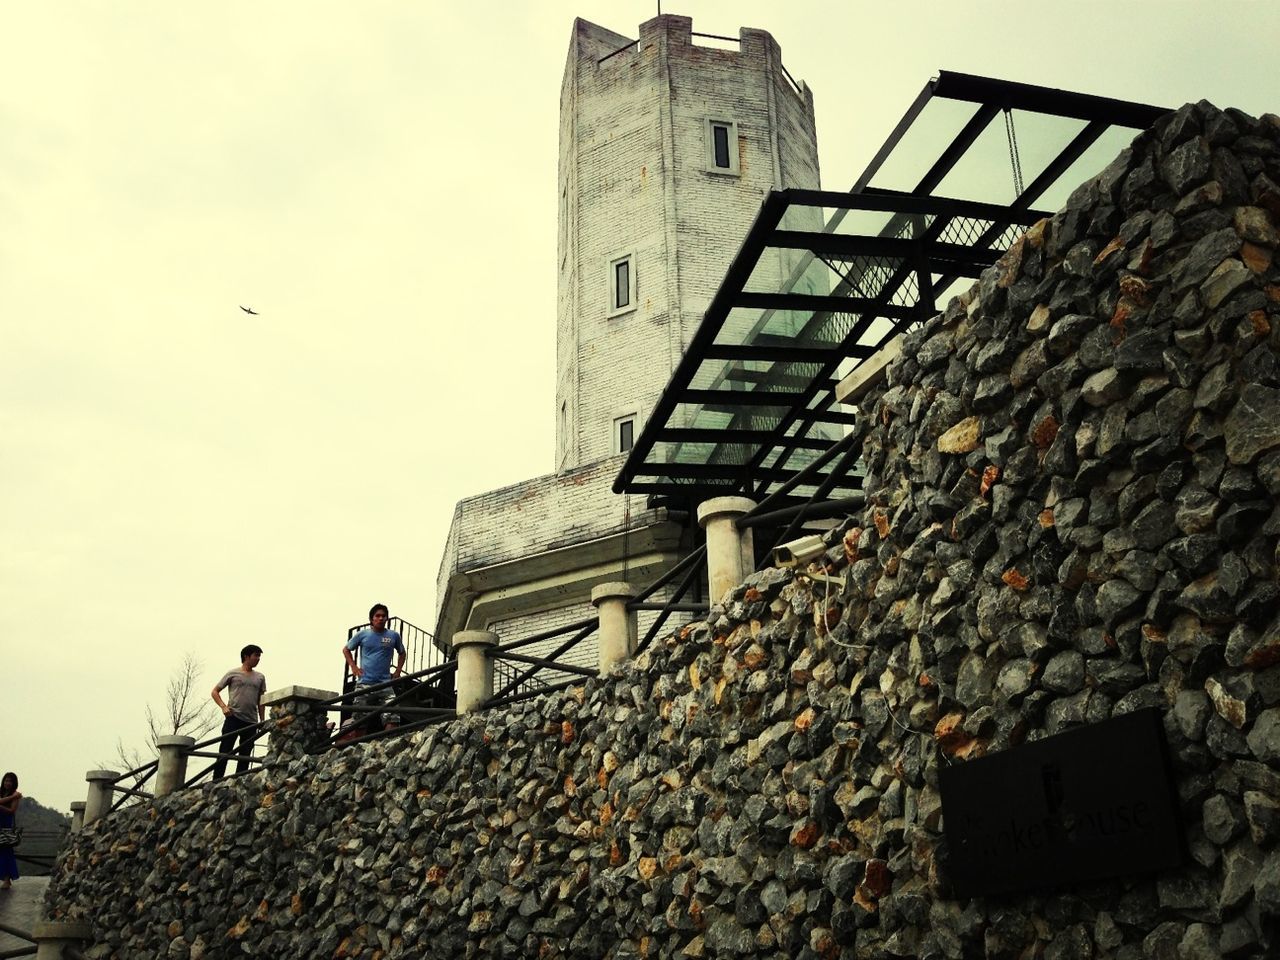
point(622, 283)
point(624, 433)
point(722, 147)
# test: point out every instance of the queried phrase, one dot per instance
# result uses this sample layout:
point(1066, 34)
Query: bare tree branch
point(187, 712)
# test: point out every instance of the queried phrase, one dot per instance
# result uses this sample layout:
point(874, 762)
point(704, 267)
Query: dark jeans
point(232, 727)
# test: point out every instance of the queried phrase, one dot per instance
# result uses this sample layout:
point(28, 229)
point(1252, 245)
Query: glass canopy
point(824, 279)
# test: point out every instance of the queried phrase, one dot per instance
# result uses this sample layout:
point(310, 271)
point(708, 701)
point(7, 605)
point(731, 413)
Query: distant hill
point(33, 815)
point(42, 832)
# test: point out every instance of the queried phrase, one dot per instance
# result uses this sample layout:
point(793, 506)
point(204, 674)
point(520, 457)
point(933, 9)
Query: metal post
point(98, 802)
point(77, 816)
point(171, 771)
point(617, 640)
point(726, 549)
point(475, 669)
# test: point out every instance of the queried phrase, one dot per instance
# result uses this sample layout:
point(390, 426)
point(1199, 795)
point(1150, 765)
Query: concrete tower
point(668, 145)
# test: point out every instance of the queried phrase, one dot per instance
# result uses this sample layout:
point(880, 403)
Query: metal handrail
point(543, 662)
point(197, 750)
point(787, 74)
point(686, 583)
point(141, 774)
point(544, 635)
point(608, 56)
point(591, 624)
point(695, 558)
point(716, 36)
point(530, 694)
point(346, 702)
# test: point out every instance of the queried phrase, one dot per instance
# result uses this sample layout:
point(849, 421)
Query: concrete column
point(475, 669)
point(726, 545)
point(300, 723)
point(52, 935)
point(77, 816)
point(98, 802)
point(617, 638)
point(171, 773)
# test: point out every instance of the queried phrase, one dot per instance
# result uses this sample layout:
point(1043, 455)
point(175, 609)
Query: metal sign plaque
point(1087, 804)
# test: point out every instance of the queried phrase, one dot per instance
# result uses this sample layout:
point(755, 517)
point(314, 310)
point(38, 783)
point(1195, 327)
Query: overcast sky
point(378, 182)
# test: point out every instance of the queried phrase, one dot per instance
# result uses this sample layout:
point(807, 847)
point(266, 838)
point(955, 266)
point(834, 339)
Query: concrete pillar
point(617, 637)
point(727, 546)
point(171, 773)
point(98, 802)
point(77, 816)
point(52, 935)
point(300, 724)
point(475, 669)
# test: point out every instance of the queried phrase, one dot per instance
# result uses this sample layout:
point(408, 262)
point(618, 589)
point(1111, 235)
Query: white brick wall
point(536, 515)
point(633, 178)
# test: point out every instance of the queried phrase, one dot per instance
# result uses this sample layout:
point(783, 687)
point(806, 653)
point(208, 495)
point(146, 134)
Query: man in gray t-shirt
point(243, 709)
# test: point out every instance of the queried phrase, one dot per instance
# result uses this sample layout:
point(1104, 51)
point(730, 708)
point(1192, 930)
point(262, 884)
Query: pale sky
point(378, 181)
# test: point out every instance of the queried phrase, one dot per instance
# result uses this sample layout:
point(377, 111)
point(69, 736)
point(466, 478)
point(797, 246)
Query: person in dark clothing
point(9, 800)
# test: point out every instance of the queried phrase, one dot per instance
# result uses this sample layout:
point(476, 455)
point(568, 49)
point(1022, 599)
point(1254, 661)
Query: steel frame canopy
point(824, 279)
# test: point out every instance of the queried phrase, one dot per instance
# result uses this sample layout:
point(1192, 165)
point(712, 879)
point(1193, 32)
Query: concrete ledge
point(62, 930)
point(719, 506)
point(296, 693)
point(175, 741)
point(868, 373)
point(605, 591)
point(464, 639)
point(101, 775)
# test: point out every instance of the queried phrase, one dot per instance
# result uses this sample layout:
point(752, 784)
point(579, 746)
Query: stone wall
point(1072, 483)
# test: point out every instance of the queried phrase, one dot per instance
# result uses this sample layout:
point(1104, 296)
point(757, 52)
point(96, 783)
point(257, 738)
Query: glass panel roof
point(823, 279)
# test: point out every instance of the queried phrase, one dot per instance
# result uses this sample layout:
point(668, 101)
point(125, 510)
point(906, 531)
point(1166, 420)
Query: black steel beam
point(813, 303)
point(1035, 99)
point(897, 201)
point(890, 248)
point(713, 471)
point(895, 137)
point(737, 398)
point(979, 122)
point(778, 353)
point(811, 511)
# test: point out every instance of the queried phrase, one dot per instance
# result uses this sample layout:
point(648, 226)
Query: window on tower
point(622, 283)
point(722, 146)
point(624, 433)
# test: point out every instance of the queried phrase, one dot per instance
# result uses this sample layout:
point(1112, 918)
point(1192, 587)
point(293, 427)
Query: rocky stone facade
point(1072, 513)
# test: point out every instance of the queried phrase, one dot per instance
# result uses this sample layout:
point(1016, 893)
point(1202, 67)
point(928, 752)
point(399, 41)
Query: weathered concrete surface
point(22, 907)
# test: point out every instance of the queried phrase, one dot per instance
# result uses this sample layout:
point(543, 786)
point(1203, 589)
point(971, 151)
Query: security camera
point(799, 552)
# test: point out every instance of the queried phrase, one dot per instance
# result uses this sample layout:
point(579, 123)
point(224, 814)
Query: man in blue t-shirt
point(376, 644)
